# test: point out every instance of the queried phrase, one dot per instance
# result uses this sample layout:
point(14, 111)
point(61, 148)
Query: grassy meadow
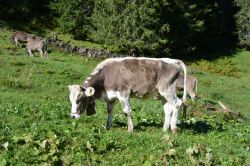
point(35, 127)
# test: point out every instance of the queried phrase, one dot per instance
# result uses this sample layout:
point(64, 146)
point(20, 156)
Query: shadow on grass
point(198, 127)
point(140, 126)
point(143, 125)
point(117, 123)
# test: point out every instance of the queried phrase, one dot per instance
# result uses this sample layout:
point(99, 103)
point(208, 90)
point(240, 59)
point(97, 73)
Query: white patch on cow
point(76, 116)
point(74, 92)
point(110, 95)
point(167, 112)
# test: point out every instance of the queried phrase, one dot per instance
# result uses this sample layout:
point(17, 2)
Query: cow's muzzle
point(75, 116)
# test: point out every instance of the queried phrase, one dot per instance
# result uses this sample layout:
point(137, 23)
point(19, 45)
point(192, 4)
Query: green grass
point(35, 127)
point(69, 38)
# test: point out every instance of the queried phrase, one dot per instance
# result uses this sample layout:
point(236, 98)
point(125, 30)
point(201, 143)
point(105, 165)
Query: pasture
point(35, 127)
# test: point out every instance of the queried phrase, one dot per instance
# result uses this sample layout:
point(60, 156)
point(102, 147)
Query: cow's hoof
point(174, 130)
point(130, 130)
point(165, 130)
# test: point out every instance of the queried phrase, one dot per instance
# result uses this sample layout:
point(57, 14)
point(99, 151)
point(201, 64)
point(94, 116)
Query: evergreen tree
point(153, 27)
point(73, 16)
point(243, 22)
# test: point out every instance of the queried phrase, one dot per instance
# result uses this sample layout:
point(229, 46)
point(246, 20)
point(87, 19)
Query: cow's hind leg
point(110, 106)
point(175, 108)
point(41, 53)
point(171, 110)
point(127, 110)
point(168, 113)
point(171, 107)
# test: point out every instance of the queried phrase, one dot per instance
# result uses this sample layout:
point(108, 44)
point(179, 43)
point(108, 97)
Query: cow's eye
point(77, 101)
point(79, 98)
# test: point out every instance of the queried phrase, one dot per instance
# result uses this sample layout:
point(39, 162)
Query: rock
point(82, 50)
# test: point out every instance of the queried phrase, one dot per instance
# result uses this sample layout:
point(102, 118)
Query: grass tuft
point(224, 67)
point(16, 84)
point(17, 63)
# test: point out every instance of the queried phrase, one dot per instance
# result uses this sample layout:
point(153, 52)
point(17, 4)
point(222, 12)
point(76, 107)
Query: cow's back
point(22, 36)
point(141, 77)
point(35, 44)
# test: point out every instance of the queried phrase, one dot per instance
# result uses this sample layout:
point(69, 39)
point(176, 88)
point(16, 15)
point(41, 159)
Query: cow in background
point(191, 85)
point(20, 36)
point(39, 44)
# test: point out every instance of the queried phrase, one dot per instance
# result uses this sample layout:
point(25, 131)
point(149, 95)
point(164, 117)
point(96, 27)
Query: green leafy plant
point(223, 66)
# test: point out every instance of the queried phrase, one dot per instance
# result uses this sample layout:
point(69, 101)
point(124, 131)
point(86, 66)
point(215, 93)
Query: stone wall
point(84, 51)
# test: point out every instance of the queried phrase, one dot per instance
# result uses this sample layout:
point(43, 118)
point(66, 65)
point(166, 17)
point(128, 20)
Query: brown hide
point(191, 85)
point(139, 77)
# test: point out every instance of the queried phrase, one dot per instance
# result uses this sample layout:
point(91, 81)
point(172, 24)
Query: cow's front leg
point(45, 54)
point(127, 110)
point(16, 40)
point(30, 53)
point(41, 53)
point(110, 106)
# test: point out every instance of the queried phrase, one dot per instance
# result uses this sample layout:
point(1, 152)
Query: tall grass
point(223, 66)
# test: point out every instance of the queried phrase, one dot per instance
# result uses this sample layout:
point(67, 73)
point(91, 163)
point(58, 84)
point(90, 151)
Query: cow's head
point(82, 100)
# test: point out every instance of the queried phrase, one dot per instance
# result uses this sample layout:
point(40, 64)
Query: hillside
point(36, 127)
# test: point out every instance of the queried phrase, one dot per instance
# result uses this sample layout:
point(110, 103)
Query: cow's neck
point(95, 81)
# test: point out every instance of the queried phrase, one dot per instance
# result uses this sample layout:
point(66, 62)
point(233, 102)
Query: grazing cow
point(20, 36)
point(120, 78)
point(37, 44)
point(191, 85)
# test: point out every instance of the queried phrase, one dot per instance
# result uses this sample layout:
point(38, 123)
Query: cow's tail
point(184, 68)
point(196, 86)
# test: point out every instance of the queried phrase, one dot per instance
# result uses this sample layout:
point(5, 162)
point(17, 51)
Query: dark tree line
point(153, 27)
point(27, 11)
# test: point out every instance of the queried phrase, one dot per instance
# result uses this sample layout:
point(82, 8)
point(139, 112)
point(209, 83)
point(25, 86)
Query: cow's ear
point(89, 91)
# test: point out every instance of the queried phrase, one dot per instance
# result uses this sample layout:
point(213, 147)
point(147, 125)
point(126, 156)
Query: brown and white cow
point(122, 78)
point(38, 44)
point(191, 85)
point(20, 36)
